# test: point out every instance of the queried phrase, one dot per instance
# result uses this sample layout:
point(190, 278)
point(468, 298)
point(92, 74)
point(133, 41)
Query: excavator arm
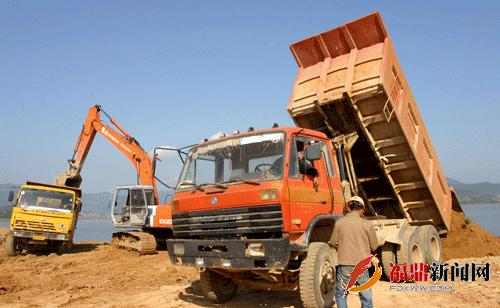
point(117, 136)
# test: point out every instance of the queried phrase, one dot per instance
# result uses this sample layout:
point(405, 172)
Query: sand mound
point(97, 275)
point(3, 233)
point(468, 239)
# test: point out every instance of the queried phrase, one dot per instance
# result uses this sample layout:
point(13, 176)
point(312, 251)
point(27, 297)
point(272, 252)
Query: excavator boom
point(117, 136)
point(142, 242)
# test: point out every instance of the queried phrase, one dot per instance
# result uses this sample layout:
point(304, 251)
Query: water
point(87, 229)
point(487, 215)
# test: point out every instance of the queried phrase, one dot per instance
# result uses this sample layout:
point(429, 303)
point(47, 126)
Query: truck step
point(368, 179)
point(381, 199)
point(401, 165)
point(409, 186)
point(389, 142)
point(386, 158)
point(379, 117)
point(417, 204)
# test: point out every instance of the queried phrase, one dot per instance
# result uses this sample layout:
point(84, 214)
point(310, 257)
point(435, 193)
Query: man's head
point(356, 205)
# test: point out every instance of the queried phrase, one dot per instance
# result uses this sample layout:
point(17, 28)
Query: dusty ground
point(97, 274)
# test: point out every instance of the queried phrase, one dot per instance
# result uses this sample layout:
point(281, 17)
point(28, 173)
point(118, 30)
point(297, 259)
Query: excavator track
point(138, 241)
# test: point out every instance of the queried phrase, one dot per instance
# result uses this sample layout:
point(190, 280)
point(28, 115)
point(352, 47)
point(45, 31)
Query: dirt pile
point(93, 273)
point(3, 233)
point(96, 275)
point(468, 239)
point(99, 275)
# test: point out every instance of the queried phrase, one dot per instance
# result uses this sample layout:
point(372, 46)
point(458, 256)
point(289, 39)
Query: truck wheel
point(388, 256)
point(13, 246)
point(429, 237)
point(411, 249)
point(317, 276)
point(64, 247)
point(217, 288)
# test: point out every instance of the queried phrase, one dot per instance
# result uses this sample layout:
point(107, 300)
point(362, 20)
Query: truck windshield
point(252, 157)
point(45, 199)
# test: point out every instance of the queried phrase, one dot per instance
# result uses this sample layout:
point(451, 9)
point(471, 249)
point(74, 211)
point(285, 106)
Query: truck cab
point(43, 215)
point(253, 201)
point(257, 185)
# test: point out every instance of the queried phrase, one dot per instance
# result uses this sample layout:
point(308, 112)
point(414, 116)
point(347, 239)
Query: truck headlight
point(199, 261)
point(270, 194)
point(62, 237)
point(255, 250)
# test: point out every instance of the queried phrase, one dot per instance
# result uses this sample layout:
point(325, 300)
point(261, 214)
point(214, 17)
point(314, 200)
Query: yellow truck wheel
point(13, 245)
point(64, 247)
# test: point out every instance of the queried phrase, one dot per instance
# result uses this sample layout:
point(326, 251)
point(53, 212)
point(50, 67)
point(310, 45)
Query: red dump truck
point(247, 211)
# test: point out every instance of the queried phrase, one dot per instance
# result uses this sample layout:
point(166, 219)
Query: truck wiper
point(200, 186)
point(252, 182)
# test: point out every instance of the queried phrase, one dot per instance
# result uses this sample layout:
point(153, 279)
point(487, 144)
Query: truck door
point(130, 206)
point(308, 197)
point(138, 207)
point(120, 213)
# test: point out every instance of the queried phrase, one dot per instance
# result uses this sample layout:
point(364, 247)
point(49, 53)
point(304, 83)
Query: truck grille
point(34, 225)
point(250, 222)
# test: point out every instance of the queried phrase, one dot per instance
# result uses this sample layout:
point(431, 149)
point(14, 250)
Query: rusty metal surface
point(352, 75)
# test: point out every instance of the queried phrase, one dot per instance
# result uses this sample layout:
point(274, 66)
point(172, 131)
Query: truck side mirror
point(313, 152)
point(11, 196)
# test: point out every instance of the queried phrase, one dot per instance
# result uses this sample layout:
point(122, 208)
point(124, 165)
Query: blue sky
point(173, 73)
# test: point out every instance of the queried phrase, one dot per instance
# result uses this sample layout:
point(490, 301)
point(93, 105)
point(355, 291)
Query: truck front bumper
point(41, 235)
point(230, 254)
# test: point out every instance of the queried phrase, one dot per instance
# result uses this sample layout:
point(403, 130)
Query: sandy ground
point(98, 274)
point(102, 275)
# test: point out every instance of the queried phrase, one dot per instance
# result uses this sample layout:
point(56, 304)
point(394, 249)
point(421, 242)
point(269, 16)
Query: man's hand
point(316, 182)
point(375, 261)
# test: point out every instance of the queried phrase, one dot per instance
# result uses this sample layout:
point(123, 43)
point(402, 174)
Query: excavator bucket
point(69, 180)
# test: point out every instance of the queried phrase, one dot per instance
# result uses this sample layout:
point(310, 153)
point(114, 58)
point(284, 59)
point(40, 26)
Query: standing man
point(355, 240)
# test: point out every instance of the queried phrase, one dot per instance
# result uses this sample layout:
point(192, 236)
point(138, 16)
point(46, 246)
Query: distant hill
point(5, 208)
point(98, 204)
point(483, 192)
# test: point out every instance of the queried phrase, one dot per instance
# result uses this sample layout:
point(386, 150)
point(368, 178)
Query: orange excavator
point(134, 206)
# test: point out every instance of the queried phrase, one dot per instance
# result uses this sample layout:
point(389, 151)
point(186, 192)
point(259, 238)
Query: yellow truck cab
point(43, 215)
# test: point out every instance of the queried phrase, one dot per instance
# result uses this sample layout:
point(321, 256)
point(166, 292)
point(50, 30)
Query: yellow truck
point(42, 215)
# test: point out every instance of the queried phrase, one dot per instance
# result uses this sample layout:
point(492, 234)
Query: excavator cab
point(130, 205)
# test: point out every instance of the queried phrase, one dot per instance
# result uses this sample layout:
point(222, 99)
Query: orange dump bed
point(350, 81)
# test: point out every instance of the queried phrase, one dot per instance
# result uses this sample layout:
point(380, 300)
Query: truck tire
point(64, 247)
point(388, 255)
point(317, 277)
point(411, 249)
point(13, 246)
point(217, 288)
point(429, 237)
